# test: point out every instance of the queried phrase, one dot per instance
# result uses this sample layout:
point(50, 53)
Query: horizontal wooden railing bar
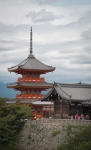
point(30, 79)
point(35, 96)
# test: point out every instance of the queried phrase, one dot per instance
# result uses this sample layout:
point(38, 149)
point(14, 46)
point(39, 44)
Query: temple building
point(70, 99)
point(30, 84)
point(62, 101)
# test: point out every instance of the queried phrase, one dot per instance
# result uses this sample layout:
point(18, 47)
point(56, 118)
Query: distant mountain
point(6, 92)
point(10, 93)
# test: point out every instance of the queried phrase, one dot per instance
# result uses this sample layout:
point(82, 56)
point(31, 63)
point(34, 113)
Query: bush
point(54, 133)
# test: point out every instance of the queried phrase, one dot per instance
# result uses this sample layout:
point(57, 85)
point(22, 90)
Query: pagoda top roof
point(31, 63)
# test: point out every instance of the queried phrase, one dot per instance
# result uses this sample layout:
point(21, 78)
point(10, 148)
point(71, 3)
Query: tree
point(11, 124)
point(2, 101)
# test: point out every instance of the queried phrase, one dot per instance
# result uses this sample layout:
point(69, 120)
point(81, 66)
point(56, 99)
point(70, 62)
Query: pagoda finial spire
point(31, 47)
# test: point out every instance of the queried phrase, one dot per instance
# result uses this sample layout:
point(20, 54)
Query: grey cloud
point(81, 59)
point(87, 34)
point(12, 45)
point(81, 22)
point(65, 75)
point(62, 73)
point(2, 48)
point(86, 16)
point(6, 41)
point(12, 58)
point(42, 16)
point(4, 28)
point(87, 49)
point(61, 2)
point(47, 2)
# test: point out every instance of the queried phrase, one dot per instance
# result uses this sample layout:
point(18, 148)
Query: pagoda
point(30, 84)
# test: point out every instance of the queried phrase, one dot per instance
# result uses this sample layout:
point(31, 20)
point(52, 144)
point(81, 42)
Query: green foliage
point(33, 126)
point(63, 127)
point(39, 130)
point(28, 142)
point(29, 136)
point(11, 124)
point(54, 133)
point(33, 140)
point(80, 141)
point(69, 129)
point(2, 101)
point(41, 139)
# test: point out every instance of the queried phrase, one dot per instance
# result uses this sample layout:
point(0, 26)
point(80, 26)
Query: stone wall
point(46, 134)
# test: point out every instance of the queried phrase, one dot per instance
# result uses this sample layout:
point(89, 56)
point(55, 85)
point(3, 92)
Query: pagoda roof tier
point(31, 85)
point(31, 64)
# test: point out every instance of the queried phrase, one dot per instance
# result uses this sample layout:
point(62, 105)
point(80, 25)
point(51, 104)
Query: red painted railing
point(30, 79)
point(31, 96)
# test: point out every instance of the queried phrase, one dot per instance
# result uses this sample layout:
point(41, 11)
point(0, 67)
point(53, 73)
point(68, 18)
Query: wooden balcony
point(31, 79)
point(31, 96)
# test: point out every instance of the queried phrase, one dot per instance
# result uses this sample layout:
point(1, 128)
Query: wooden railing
point(30, 79)
point(31, 96)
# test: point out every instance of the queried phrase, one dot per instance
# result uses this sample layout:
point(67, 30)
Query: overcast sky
point(61, 37)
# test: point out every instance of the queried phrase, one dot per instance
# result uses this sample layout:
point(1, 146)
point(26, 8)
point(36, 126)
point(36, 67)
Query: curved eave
point(19, 69)
point(31, 64)
point(62, 95)
point(30, 85)
point(60, 92)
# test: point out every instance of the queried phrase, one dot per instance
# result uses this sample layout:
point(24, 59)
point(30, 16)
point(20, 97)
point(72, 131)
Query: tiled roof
point(31, 63)
point(77, 92)
point(74, 91)
point(30, 84)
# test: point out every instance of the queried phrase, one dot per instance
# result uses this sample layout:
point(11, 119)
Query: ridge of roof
point(18, 64)
point(80, 85)
point(64, 91)
point(59, 89)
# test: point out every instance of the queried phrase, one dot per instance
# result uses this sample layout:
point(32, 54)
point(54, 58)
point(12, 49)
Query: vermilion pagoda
point(31, 84)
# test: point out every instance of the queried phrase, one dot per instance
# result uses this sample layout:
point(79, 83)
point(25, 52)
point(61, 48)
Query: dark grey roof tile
point(31, 63)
